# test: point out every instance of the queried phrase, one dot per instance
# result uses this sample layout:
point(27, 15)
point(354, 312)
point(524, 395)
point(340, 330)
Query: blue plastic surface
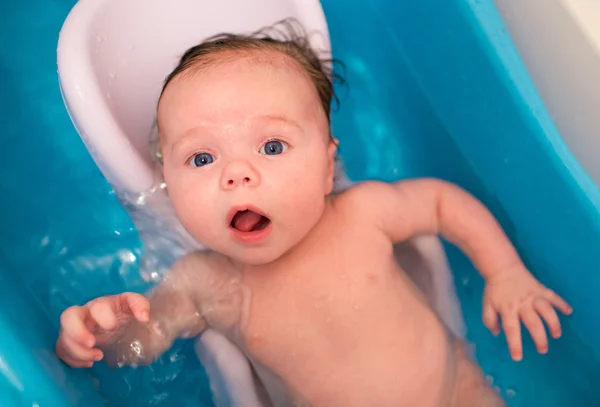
point(435, 89)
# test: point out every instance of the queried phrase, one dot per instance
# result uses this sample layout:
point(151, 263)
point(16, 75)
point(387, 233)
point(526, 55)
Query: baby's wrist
point(506, 272)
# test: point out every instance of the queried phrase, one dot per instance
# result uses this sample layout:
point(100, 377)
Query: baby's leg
point(470, 389)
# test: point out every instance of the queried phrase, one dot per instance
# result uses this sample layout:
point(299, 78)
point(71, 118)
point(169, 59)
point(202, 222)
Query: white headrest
point(113, 57)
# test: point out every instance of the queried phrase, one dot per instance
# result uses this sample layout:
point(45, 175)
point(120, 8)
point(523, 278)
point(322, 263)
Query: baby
point(304, 281)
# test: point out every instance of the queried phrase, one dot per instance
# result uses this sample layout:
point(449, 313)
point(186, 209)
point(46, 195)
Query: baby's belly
point(414, 373)
point(374, 344)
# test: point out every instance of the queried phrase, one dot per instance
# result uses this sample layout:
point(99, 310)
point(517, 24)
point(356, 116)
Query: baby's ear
point(331, 151)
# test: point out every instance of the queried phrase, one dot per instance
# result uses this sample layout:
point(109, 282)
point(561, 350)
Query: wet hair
point(287, 37)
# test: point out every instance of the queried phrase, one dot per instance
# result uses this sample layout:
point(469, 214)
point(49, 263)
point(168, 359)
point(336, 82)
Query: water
point(66, 239)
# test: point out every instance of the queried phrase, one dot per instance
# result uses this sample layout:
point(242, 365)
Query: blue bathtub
point(435, 89)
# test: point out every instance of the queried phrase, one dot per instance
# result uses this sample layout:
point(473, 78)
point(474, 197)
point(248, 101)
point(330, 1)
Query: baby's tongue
point(245, 221)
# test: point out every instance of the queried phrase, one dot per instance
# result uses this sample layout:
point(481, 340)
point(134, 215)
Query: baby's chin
point(253, 256)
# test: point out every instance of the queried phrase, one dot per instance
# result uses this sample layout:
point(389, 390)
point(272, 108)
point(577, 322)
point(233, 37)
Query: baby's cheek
point(194, 211)
point(304, 204)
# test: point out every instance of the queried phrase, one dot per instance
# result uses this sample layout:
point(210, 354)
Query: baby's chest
point(316, 313)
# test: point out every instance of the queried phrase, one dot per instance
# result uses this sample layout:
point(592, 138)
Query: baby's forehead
point(266, 60)
point(216, 69)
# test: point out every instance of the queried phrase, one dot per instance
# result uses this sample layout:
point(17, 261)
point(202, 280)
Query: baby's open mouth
point(249, 221)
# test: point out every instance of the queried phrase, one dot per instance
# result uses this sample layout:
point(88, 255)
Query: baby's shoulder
point(364, 197)
point(362, 206)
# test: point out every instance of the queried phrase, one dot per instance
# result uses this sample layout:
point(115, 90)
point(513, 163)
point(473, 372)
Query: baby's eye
point(201, 159)
point(273, 147)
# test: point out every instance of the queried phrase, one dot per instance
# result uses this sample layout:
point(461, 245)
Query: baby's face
point(247, 156)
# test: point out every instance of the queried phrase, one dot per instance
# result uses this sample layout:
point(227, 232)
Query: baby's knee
point(471, 390)
point(490, 398)
point(478, 394)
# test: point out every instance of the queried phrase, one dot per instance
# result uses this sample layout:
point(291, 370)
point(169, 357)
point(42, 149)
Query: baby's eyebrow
point(281, 120)
point(188, 137)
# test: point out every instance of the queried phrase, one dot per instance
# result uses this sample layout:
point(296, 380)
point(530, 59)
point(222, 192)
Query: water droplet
point(343, 276)
point(126, 256)
point(497, 389)
point(465, 281)
point(317, 305)
point(111, 75)
point(328, 319)
point(137, 348)
point(175, 357)
point(45, 241)
point(489, 379)
point(330, 298)
point(98, 38)
point(511, 393)
point(63, 251)
point(356, 307)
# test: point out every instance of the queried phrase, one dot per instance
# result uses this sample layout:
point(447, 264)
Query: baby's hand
point(85, 328)
point(517, 296)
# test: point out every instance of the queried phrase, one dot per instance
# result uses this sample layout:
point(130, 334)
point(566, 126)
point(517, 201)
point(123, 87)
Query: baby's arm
point(427, 206)
point(174, 313)
point(130, 329)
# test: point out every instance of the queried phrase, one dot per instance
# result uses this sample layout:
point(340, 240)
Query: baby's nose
point(239, 173)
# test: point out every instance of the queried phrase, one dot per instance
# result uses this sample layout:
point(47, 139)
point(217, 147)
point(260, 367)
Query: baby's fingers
point(102, 312)
point(512, 330)
point(73, 325)
point(138, 304)
point(71, 361)
point(490, 318)
point(544, 308)
point(68, 347)
point(558, 302)
point(536, 328)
